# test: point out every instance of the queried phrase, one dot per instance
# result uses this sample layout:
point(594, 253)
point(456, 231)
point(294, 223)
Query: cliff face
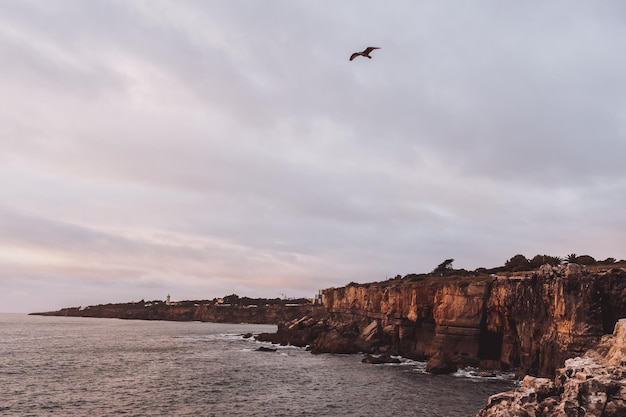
point(532, 322)
point(556, 314)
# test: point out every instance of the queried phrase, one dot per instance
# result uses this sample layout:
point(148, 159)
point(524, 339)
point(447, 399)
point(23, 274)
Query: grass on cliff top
point(458, 276)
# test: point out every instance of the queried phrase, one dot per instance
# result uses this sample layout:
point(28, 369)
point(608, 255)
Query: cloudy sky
point(203, 148)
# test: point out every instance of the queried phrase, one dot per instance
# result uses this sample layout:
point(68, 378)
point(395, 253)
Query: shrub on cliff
point(517, 263)
point(444, 267)
point(539, 260)
point(231, 299)
point(582, 259)
point(521, 263)
point(415, 277)
point(608, 261)
point(586, 260)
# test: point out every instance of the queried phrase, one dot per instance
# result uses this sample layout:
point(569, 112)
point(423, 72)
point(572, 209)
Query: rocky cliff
point(531, 321)
point(591, 385)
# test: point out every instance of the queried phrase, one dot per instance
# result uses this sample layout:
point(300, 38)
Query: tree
point(572, 258)
point(585, 260)
point(517, 263)
point(231, 299)
point(539, 260)
point(444, 267)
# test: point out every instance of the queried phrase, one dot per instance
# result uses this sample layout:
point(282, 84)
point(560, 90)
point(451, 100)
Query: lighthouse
point(167, 300)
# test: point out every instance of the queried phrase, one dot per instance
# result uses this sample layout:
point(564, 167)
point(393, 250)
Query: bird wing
point(354, 55)
point(370, 49)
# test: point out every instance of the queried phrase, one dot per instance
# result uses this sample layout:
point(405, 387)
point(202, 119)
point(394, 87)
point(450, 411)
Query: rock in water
point(266, 349)
point(440, 364)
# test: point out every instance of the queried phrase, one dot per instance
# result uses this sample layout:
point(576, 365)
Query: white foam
point(231, 335)
point(481, 374)
point(410, 362)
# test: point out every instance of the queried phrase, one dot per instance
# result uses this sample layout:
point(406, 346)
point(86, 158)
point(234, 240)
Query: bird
point(365, 53)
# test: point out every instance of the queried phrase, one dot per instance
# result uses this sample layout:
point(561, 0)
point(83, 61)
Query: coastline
point(529, 322)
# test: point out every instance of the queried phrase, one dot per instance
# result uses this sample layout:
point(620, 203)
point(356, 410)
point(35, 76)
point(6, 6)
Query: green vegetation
point(521, 263)
point(444, 267)
point(585, 260)
point(235, 300)
point(518, 263)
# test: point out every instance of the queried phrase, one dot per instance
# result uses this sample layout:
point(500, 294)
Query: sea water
point(103, 367)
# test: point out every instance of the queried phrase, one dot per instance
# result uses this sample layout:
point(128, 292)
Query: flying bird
point(365, 53)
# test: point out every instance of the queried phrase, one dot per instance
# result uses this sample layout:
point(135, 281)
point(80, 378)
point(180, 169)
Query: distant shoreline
point(253, 311)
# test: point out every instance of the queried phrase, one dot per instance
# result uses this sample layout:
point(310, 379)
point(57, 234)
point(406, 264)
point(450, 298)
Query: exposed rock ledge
point(530, 322)
point(591, 385)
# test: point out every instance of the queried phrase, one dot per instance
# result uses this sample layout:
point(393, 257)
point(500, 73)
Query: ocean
point(69, 366)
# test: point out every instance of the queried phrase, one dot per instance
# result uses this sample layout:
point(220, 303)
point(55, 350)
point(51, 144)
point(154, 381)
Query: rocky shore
point(531, 322)
point(591, 385)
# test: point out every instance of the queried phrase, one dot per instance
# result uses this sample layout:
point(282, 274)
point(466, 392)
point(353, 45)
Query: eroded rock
point(591, 385)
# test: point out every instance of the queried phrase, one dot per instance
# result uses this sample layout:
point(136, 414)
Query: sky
point(205, 148)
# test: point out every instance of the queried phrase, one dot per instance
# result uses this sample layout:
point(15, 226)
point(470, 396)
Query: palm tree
point(555, 260)
point(571, 258)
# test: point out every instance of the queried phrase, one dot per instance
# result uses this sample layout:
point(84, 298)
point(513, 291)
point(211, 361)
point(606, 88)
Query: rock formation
point(531, 322)
point(591, 385)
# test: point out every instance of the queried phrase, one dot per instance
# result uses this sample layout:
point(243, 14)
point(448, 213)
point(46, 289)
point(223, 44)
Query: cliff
point(191, 311)
point(591, 385)
point(531, 321)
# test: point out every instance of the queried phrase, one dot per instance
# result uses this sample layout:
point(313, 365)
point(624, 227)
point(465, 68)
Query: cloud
point(214, 148)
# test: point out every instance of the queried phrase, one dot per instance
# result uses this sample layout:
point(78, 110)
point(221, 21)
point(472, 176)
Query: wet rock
point(440, 364)
point(266, 349)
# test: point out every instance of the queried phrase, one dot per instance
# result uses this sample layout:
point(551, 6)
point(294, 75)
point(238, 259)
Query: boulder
point(440, 364)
